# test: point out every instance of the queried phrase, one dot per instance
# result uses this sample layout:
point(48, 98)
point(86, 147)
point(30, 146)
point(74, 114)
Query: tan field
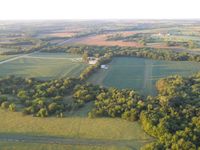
point(62, 34)
point(100, 40)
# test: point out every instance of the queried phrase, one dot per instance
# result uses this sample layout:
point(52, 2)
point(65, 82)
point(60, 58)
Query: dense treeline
point(187, 44)
point(110, 102)
point(39, 98)
point(85, 93)
point(51, 38)
point(160, 55)
point(20, 50)
point(173, 116)
point(144, 38)
point(81, 49)
point(97, 51)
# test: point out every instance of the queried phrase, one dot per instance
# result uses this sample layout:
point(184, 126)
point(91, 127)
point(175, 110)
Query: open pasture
point(92, 132)
point(3, 50)
point(36, 146)
point(44, 66)
point(140, 73)
point(4, 57)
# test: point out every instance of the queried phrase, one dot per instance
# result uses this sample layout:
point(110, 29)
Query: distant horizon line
point(100, 19)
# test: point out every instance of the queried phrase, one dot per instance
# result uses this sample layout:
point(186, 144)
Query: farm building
point(92, 60)
point(163, 34)
point(104, 66)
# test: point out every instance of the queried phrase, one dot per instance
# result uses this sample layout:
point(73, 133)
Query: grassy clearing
point(74, 126)
point(2, 50)
point(32, 146)
point(4, 57)
point(56, 55)
point(44, 66)
point(140, 73)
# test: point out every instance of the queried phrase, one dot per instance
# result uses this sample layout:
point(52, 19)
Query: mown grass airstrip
point(141, 73)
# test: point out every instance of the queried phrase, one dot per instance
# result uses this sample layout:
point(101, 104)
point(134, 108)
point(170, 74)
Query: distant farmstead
point(92, 60)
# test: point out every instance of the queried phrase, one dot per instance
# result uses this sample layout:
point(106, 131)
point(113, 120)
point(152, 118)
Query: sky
point(99, 9)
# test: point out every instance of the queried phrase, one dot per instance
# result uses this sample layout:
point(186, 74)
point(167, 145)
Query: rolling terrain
point(23, 57)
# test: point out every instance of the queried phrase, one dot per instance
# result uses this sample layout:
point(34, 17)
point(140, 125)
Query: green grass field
point(140, 73)
point(33, 146)
point(44, 66)
point(75, 126)
point(2, 50)
point(4, 57)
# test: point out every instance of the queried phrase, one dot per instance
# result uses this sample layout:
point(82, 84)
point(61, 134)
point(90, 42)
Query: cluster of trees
point(112, 102)
point(133, 37)
point(173, 115)
point(18, 45)
point(6, 104)
point(187, 44)
point(142, 38)
point(39, 98)
point(51, 38)
point(24, 41)
point(18, 49)
point(85, 93)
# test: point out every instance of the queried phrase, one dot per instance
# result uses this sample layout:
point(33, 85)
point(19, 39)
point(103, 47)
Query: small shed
point(104, 66)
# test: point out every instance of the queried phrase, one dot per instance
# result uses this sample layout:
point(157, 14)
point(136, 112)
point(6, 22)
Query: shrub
point(5, 105)
point(12, 107)
point(42, 113)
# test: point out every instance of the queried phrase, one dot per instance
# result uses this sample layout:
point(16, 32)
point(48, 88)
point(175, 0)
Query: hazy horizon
point(99, 10)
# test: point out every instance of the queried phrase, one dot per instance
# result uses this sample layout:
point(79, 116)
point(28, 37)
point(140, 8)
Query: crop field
point(44, 66)
point(140, 74)
point(91, 132)
point(160, 34)
point(100, 40)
